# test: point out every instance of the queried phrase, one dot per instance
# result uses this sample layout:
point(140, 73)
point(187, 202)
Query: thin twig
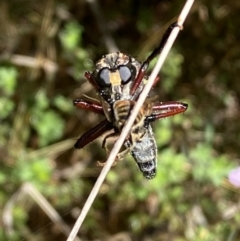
point(52, 151)
point(29, 189)
point(30, 62)
point(131, 119)
point(47, 208)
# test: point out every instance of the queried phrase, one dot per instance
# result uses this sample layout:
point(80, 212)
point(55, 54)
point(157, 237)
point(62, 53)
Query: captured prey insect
point(118, 80)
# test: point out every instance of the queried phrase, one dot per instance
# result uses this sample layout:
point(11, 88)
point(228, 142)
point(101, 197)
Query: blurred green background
point(45, 49)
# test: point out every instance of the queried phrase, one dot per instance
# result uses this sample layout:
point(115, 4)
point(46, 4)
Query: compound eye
point(125, 74)
point(103, 78)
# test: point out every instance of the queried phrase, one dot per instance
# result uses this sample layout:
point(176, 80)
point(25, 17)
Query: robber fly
point(118, 80)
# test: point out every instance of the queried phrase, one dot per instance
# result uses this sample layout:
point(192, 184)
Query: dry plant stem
point(47, 208)
point(27, 189)
point(130, 121)
point(52, 151)
point(30, 62)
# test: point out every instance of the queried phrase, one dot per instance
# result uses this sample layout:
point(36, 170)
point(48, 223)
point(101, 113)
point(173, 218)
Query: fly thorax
point(126, 91)
point(116, 93)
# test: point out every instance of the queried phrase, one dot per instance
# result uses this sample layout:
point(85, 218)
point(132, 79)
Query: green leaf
point(8, 80)
point(49, 125)
point(207, 166)
point(37, 171)
point(63, 104)
point(163, 132)
point(6, 106)
point(171, 70)
point(71, 35)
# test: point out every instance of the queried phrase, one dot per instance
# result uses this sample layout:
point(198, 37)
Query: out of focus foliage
point(45, 48)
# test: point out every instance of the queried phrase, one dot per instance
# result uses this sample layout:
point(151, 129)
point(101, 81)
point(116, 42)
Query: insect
point(118, 80)
point(145, 152)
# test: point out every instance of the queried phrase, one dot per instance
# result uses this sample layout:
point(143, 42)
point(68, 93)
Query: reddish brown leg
point(156, 81)
point(104, 143)
point(120, 155)
point(91, 79)
point(105, 147)
point(166, 109)
point(93, 133)
point(89, 105)
point(155, 52)
point(169, 105)
point(140, 76)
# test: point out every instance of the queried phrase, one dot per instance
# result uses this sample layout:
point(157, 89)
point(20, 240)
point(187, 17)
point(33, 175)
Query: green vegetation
point(45, 49)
